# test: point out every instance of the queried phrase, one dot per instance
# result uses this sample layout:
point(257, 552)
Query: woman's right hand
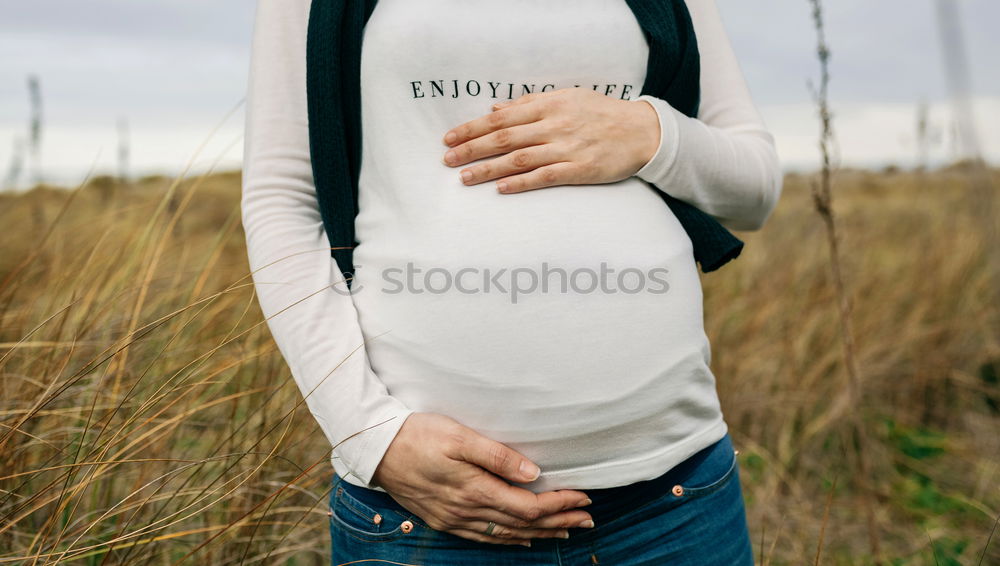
point(446, 473)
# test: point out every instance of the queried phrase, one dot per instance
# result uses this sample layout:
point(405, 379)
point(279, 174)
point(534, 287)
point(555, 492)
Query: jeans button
point(677, 490)
point(377, 519)
point(407, 526)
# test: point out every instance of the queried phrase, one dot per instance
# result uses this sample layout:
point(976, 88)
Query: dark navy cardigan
point(333, 71)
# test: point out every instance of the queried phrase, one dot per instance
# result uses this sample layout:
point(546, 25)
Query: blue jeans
point(693, 515)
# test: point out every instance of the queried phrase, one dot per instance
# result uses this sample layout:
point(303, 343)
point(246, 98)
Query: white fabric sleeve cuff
point(656, 169)
point(362, 453)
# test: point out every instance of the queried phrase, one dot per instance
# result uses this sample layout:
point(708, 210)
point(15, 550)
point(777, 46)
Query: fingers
point(531, 509)
point(519, 513)
point(497, 457)
point(551, 175)
point(498, 142)
point(480, 537)
point(568, 520)
point(492, 492)
point(455, 516)
point(517, 161)
point(495, 120)
point(519, 100)
point(553, 526)
point(551, 522)
point(556, 526)
point(508, 532)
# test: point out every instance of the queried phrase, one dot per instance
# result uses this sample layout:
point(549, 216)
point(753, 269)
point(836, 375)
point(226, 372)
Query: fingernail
point(501, 186)
point(530, 470)
point(449, 156)
point(587, 524)
point(466, 176)
point(563, 534)
point(526, 543)
point(584, 502)
point(451, 137)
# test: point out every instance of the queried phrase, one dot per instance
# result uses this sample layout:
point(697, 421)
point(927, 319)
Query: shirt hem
point(629, 471)
point(625, 472)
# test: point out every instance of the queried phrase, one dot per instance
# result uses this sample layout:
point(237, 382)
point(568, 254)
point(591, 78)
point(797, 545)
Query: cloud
point(215, 21)
point(883, 51)
point(174, 68)
point(873, 134)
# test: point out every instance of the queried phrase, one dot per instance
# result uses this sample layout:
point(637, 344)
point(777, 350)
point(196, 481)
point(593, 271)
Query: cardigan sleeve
point(301, 291)
point(723, 162)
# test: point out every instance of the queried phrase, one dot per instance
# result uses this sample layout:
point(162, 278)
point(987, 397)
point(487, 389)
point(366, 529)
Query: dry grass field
point(147, 417)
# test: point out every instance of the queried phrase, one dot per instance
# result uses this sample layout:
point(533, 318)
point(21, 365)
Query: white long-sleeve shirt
point(599, 388)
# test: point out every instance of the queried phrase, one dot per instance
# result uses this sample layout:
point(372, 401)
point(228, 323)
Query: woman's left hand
point(569, 136)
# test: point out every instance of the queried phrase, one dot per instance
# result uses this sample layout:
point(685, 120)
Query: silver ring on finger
point(489, 528)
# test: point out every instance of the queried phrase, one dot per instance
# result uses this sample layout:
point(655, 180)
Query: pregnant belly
point(498, 312)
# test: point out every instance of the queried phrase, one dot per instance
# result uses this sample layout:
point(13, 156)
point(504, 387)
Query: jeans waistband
point(607, 503)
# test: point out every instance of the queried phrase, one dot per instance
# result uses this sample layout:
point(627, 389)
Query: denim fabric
point(645, 523)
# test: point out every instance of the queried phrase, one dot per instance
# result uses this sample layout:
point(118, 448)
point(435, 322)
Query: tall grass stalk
point(851, 402)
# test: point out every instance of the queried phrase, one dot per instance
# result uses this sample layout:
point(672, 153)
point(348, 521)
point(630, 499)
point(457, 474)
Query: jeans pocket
point(364, 521)
point(710, 476)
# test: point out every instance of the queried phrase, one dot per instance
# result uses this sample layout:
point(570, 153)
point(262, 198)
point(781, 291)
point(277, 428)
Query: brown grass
point(147, 418)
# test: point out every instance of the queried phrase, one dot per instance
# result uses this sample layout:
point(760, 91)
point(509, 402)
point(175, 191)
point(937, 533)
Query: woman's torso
point(599, 388)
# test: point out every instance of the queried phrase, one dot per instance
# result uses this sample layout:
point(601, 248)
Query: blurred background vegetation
point(148, 418)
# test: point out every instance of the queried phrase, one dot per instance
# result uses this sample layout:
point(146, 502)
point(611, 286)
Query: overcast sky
point(174, 69)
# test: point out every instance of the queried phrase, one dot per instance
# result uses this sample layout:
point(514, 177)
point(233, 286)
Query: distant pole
point(956, 68)
point(16, 164)
point(123, 150)
point(980, 178)
point(923, 135)
point(35, 129)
